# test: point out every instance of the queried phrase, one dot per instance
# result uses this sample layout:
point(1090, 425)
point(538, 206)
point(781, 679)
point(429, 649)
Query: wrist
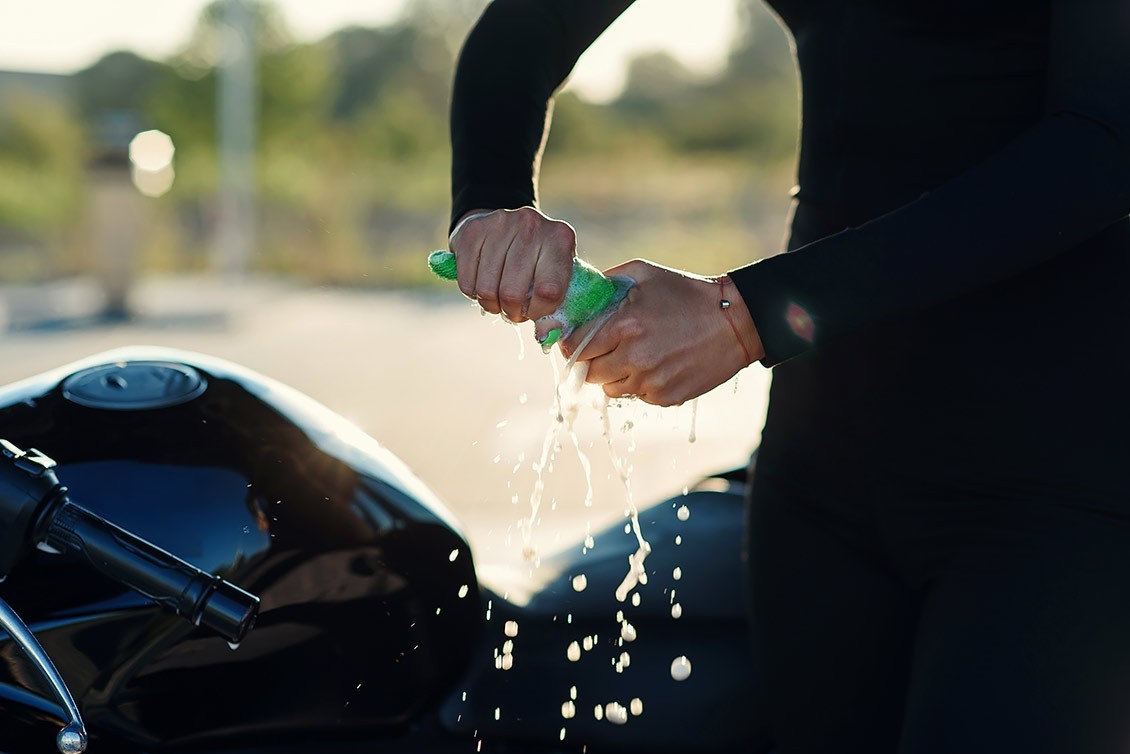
point(734, 309)
point(470, 214)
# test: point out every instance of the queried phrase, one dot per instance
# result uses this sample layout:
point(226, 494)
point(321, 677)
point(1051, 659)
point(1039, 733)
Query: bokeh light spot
point(151, 162)
point(800, 321)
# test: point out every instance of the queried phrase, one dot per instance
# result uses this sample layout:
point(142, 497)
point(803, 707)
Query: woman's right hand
point(516, 262)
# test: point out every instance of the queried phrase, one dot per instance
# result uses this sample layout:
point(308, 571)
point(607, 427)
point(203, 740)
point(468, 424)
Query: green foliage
point(118, 81)
point(42, 151)
point(352, 149)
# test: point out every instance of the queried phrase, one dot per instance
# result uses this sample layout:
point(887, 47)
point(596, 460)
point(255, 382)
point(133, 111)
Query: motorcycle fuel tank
point(369, 610)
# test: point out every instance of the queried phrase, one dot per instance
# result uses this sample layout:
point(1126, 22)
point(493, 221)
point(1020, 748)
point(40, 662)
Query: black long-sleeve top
point(958, 273)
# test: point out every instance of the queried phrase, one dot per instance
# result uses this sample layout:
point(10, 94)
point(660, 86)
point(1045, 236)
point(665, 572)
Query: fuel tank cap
point(134, 385)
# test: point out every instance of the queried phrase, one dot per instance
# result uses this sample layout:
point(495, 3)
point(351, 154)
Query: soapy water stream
point(568, 387)
point(569, 384)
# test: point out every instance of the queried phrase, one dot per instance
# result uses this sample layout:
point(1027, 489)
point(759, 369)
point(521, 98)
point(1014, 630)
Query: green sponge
point(590, 294)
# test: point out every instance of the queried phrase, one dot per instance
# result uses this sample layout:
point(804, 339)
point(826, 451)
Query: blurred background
point(261, 181)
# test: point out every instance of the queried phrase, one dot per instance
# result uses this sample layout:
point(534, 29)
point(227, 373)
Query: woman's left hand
point(670, 340)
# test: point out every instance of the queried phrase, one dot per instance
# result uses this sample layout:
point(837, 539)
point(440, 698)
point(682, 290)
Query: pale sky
point(62, 36)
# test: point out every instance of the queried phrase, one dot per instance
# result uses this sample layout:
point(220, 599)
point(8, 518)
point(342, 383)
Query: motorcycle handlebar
point(34, 509)
point(200, 597)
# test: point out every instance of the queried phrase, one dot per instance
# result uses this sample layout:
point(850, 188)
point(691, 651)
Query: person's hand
point(670, 340)
point(516, 262)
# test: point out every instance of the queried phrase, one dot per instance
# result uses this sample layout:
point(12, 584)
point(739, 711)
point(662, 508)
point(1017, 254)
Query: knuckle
point(563, 233)
point(629, 328)
point(527, 216)
point(511, 296)
point(653, 390)
point(647, 362)
point(550, 290)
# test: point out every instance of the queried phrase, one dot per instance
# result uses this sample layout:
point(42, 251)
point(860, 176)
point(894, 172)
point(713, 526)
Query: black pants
point(929, 622)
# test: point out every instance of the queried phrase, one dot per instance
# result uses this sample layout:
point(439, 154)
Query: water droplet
point(616, 713)
point(511, 628)
point(677, 573)
point(579, 583)
point(233, 645)
point(562, 737)
point(573, 692)
point(573, 652)
point(508, 646)
point(683, 513)
point(589, 542)
point(625, 659)
point(636, 599)
point(627, 528)
point(636, 706)
point(497, 713)
point(463, 590)
point(678, 539)
point(598, 712)
point(502, 424)
point(568, 710)
point(676, 611)
point(507, 661)
point(681, 668)
point(587, 643)
point(628, 632)
point(454, 554)
point(497, 458)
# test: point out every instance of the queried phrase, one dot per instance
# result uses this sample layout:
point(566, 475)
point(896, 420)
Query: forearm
point(1061, 183)
point(515, 58)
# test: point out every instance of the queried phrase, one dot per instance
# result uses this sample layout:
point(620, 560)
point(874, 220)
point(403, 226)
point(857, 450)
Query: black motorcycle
point(212, 561)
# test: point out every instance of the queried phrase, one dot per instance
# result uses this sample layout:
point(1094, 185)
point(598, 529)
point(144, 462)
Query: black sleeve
point(515, 58)
point(1058, 184)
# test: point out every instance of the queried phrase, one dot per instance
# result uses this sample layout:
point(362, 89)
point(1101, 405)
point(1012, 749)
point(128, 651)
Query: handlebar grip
point(191, 593)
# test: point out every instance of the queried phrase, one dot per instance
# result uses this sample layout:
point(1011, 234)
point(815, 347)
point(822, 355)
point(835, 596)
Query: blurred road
point(448, 391)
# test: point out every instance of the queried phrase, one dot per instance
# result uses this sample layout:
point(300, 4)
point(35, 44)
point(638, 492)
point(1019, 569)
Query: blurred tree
point(763, 49)
point(42, 152)
point(294, 92)
point(118, 81)
point(366, 61)
point(656, 81)
point(447, 21)
point(751, 106)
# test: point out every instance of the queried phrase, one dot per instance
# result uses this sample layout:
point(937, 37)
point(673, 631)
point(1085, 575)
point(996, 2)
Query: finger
point(609, 368)
point(553, 271)
point(467, 263)
point(514, 286)
point(492, 259)
point(602, 343)
point(620, 389)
